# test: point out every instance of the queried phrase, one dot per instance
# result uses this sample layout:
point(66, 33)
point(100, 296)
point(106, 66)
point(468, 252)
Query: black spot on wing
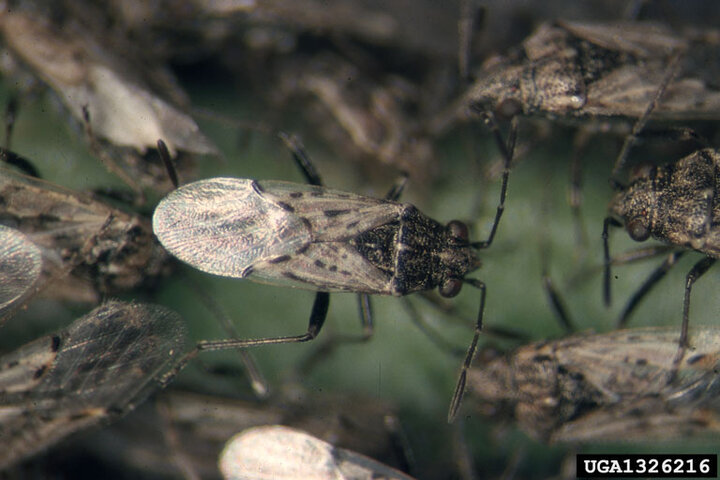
point(286, 207)
point(336, 213)
point(280, 259)
point(695, 359)
point(296, 194)
point(319, 263)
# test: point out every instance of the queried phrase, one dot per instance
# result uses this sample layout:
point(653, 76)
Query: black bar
point(660, 465)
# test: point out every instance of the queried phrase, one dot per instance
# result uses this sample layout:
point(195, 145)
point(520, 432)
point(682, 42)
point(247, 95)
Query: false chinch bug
point(612, 386)
point(316, 238)
point(282, 452)
point(677, 204)
point(95, 370)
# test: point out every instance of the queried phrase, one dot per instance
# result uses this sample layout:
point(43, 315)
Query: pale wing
point(281, 453)
point(628, 363)
point(101, 365)
point(20, 267)
point(645, 419)
point(327, 266)
point(333, 215)
point(226, 225)
point(627, 91)
point(636, 38)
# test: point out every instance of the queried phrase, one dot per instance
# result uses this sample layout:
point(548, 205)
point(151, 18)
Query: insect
point(316, 238)
point(103, 90)
point(277, 451)
point(598, 73)
point(107, 249)
point(187, 430)
point(20, 267)
point(613, 386)
point(369, 118)
point(96, 369)
point(582, 70)
point(676, 204)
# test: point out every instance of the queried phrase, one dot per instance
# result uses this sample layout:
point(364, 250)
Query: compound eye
point(459, 231)
point(508, 108)
point(638, 229)
point(450, 287)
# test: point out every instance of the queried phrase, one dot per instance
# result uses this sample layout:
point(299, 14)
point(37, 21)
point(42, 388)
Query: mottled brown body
point(676, 203)
point(309, 237)
point(106, 249)
point(618, 386)
point(569, 70)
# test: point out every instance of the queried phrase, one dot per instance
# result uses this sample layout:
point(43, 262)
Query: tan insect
point(107, 249)
point(618, 386)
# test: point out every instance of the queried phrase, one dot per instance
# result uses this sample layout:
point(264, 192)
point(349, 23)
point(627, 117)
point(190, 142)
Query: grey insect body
point(98, 368)
point(619, 386)
point(677, 204)
point(310, 237)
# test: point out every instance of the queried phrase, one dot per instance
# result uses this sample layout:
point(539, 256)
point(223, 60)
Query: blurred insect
point(97, 369)
point(312, 237)
point(107, 249)
point(20, 267)
point(618, 386)
point(276, 451)
point(361, 116)
point(103, 90)
point(186, 431)
point(677, 204)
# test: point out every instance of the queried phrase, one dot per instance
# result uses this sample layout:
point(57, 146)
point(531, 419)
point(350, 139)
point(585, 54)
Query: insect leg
point(697, 271)
point(673, 67)
point(462, 380)
point(580, 143)
point(167, 161)
point(431, 333)
point(11, 110)
point(654, 278)
point(317, 319)
point(110, 164)
point(301, 159)
point(507, 150)
point(11, 158)
point(609, 221)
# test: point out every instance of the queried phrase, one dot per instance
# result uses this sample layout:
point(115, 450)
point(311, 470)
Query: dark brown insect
point(677, 204)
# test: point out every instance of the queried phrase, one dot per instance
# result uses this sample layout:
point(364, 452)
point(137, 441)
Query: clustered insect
point(385, 91)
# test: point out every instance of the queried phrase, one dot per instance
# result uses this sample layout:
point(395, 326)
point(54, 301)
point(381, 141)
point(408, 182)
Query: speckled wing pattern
point(279, 233)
